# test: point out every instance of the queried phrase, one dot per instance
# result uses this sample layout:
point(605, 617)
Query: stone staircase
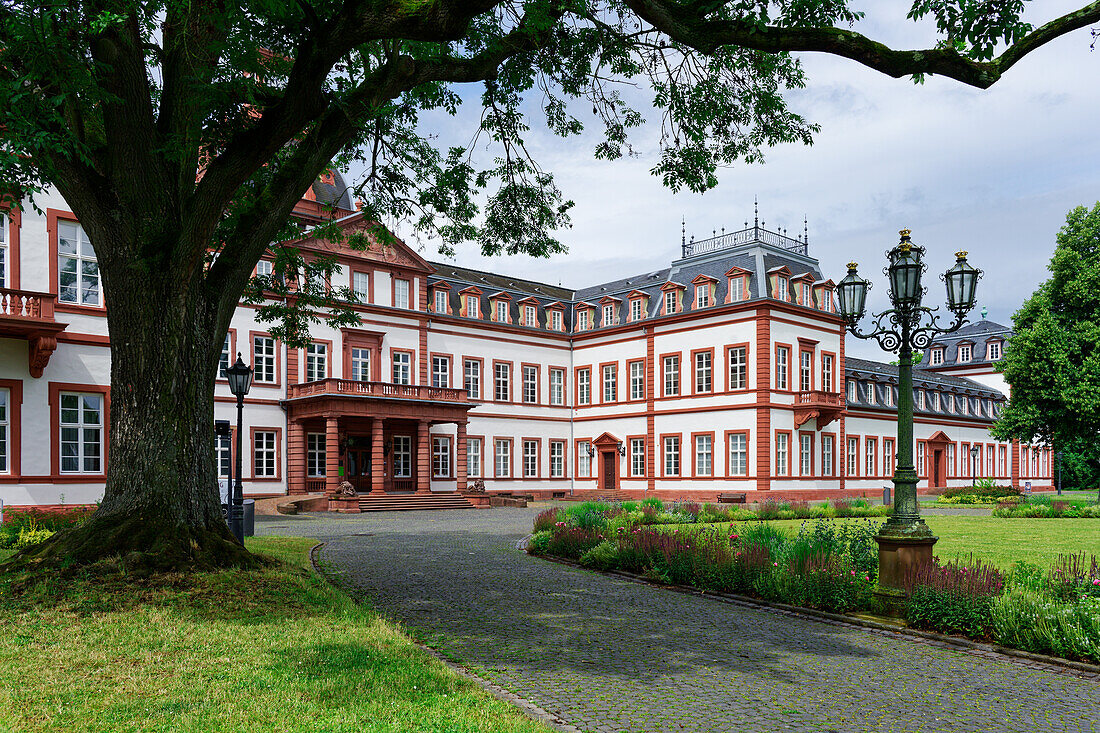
point(598, 495)
point(413, 502)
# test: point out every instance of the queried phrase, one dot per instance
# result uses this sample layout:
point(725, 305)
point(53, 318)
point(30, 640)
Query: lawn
point(273, 650)
point(999, 541)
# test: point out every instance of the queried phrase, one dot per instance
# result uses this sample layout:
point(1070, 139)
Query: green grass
point(998, 541)
point(271, 650)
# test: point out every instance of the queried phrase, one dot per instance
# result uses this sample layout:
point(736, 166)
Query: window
point(964, 402)
point(401, 293)
point(1002, 461)
point(827, 300)
point(781, 288)
point(806, 371)
point(853, 456)
point(530, 459)
point(637, 456)
point(402, 456)
point(827, 442)
point(672, 376)
point(263, 454)
point(737, 289)
point(782, 454)
point(782, 366)
point(473, 457)
point(441, 371)
point(584, 460)
point(5, 398)
point(609, 315)
point(224, 359)
point(473, 306)
point(871, 449)
point(993, 351)
point(502, 311)
point(990, 453)
point(739, 454)
point(921, 469)
point(582, 319)
point(502, 458)
point(530, 316)
point(670, 302)
point(264, 268)
point(826, 372)
point(702, 296)
point(703, 375)
point(557, 458)
point(530, 384)
point(77, 268)
point(402, 367)
point(441, 457)
point(223, 454)
point(555, 320)
point(978, 402)
point(637, 380)
point(315, 454)
point(935, 357)
point(610, 382)
point(360, 364)
point(870, 393)
point(557, 386)
point(888, 394)
point(316, 362)
point(806, 299)
point(4, 250)
point(471, 378)
point(964, 460)
point(584, 387)
point(920, 399)
point(81, 433)
point(853, 391)
point(806, 455)
point(672, 456)
point(739, 365)
point(964, 353)
point(704, 455)
point(502, 382)
point(950, 459)
point(440, 301)
point(935, 401)
point(636, 309)
point(360, 283)
point(949, 399)
point(263, 359)
point(887, 458)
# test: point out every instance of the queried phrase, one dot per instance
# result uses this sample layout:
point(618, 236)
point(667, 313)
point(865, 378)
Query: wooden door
point(937, 468)
point(610, 471)
point(359, 469)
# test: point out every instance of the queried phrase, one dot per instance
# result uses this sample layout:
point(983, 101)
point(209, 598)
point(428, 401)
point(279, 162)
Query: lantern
point(905, 271)
point(962, 284)
point(240, 378)
point(852, 294)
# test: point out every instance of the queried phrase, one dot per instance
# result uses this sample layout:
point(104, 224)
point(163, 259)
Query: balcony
point(348, 398)
point(383, 390)
point(817, 405)
point(25, 314)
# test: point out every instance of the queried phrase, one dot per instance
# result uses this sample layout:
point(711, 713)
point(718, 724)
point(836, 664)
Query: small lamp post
point(974, 451)
point(240, 381)
point(905, 541)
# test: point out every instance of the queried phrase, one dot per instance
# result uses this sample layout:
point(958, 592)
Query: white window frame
point(557, 386)
point(530, 458)
point(85, 270)
point(782, 288)
point(805, 370)
point(828, 443)
point(935, 357)
point(360, 363)
point(704, 372)
point(637, 457)
point(702, 295)
point(441, 301)
point(530, 316)
point(782, 454)
point(441, 457)
point(360, 284)
point(952, 466)
point(826, 373)
point(557, 459)
point(582, 319)
point(671, 455)
point(473, 306)
point(316, 362)
point(473, 457)
point(584, 460)
point(226, 358)
point(530, 384)
point(636, 309)
point(87, 433)
point(502, 382)
point(402, 367)
point(265, 459)
point(502, 458)
point(993, 351)
point(263, 360)
point(637, 380)
point(5, 430)
point(315, 455)
point(738, 444)
point(805, 455)
point(887, 457)
point(670, 302)
point(264, 268)
point(471, 378)
point(672, 375)
point(782, 367)
point(704, 455)
point(502, 311)
point(584, 386)
point(738, 367)
point(5, 251)
point(610, 382)
point(609, 315)
point(870, 449)
point(402, 294)
point(853, 457)
point(441, 371)
point(555, 320)
point(737, 289)
point(966, 353)
point(402, 456)
point(223, 454)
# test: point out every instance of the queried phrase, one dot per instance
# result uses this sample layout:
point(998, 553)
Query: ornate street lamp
point(974, 451)
point(240, 381)
point(905, 541)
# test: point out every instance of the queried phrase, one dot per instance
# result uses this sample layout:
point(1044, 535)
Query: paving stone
point(607, 654)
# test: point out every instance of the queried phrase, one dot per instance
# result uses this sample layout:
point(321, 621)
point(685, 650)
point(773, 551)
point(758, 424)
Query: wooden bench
point(731, 498)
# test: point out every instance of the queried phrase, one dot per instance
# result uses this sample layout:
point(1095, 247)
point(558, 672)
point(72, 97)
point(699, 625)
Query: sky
point(992, 172)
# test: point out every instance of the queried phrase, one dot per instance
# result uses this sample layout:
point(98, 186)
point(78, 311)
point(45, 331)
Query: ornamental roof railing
point(751, 235)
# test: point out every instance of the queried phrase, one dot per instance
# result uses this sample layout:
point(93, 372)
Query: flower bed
point(832, 566)
point(25, 527)
point(1049, 507)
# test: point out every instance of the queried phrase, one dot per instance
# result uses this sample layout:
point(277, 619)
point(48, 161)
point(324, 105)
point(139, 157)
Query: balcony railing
point(744, 236)
point(26, 304)
point(817, 397)
point(386, 390)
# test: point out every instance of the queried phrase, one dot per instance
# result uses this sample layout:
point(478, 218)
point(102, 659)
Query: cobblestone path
point(610, 655)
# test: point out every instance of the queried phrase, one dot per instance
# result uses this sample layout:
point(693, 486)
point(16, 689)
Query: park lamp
point(962, 285)
point(905, 270)
point(240, 377)
point(852, 294)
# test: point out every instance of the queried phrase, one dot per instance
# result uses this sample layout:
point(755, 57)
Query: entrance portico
point(376, 435)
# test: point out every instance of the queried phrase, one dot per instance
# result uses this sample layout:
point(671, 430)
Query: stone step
point(413, 502)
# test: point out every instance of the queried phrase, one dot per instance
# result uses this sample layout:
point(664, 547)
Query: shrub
point(824, 581)
point(955, 598)
point(654, 503)
point(545, 520)
point(982, 487)
point(603, 556)
point(768, 510)
point(30, 536)
point(1030, 620)
point(572, 542)
point(539, 543)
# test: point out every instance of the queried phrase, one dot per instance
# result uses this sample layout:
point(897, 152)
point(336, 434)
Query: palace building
point(725, 371)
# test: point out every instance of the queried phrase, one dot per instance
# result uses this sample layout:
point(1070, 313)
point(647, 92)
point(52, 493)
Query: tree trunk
point(161, 508)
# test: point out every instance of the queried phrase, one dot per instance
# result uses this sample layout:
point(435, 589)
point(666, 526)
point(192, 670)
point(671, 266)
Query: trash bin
point(249, 517)
point(886, 496)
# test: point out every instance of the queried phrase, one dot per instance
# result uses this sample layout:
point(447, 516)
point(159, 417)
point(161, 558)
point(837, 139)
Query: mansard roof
point(866, 369)
point(978, 334)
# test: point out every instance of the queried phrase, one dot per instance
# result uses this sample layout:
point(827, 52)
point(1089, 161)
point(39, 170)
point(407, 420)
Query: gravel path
point(607, 654)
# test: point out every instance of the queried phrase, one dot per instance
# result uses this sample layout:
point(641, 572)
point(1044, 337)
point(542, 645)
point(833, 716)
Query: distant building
point(724, 371)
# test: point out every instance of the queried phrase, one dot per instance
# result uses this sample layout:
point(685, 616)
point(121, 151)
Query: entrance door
point(937, 468)
point(610, 471)
point(359, 469)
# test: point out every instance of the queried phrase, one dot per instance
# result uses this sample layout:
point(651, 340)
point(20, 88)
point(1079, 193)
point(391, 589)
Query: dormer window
point(781, 285)
point(636, 309)
point(582, 320)
point(936, 401)
point(670, 302)
point(993, 351)
point(440, 301)
point(827, 300)
point(702, 295)
point(870, 393)
point(964, 353)
point(853, 391)
point(502, 311)
point(950, 400)
point(472, 304)
point(935, 357)
point(920, 399)
point(609, 315)
point(806, 300)
point(737, 288)
point(889, 392)
point(965, 405)
point(555, 320)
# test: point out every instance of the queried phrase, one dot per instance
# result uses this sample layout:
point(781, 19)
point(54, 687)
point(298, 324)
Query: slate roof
point(979, 333)
point(333, 193)
point(882, 377)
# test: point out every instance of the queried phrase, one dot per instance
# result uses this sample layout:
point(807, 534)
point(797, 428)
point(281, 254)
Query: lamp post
point(905, 541)
point(240, 381)
point(974, 451)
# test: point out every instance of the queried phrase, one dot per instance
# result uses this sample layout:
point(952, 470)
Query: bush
point(654, 503)
point(956, 598)
point(539, 543)
point(1027, 619)
point(29, 536)
point(572, 542)
point(604, 556)
point(982, 488)
point(545, 520)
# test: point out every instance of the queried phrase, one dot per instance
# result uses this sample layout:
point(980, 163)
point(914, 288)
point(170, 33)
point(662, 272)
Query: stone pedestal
point(897, 556)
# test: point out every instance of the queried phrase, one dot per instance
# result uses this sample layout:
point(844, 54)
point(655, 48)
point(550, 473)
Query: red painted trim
point(695, 371)
point(359, 339)
point(480, 375)
point(695, 457)
point(15, 226)
point(52, 218)
point(511, 382)
point(523, 382)
point(15, 426)
point(278, 349)
point(55, 390)
point(763, 395)
point(603, 382)
point(278, 453)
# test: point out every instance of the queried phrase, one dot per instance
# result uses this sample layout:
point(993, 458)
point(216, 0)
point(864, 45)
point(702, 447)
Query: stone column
point(332, 456)
point(460, 456)
point(295, 458)
point(377, 458)
point(423, 458)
